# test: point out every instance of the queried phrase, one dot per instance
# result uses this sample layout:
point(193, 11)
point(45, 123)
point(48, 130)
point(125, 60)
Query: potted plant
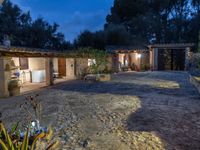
point(14, 87)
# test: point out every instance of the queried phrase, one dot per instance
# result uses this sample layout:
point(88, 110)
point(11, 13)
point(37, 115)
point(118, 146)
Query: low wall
point(100, 77)
point(195, 81)
point(104, 77)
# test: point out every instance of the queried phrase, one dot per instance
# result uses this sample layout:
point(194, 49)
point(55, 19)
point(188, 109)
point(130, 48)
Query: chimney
point(6, 41)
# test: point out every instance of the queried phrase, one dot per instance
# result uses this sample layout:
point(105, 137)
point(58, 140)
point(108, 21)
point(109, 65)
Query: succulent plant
point(12, 141)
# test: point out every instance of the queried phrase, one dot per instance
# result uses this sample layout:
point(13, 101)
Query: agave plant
point(12, 141)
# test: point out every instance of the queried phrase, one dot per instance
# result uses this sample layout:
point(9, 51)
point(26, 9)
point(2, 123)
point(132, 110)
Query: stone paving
point(134, 111)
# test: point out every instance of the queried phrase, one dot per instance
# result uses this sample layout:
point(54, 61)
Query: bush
point(101, 61)
point(145, 67)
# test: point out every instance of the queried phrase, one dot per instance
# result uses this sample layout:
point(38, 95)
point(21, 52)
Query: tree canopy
point(130, 22)
point(136, 22)
point(23, 31)
point(158, 21)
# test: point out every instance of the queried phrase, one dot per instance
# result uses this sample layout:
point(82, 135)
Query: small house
point(36, 68)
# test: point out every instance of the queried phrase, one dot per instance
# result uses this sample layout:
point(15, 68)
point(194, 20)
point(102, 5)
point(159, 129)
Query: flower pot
point(14, 92)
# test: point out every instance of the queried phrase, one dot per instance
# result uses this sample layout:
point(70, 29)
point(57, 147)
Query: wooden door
point(62, 67)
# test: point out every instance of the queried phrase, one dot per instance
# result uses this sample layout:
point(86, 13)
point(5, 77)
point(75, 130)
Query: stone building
point(151, 57)
point(36, 68)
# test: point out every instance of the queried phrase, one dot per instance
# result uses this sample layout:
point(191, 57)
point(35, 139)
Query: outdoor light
point(138, 56)
point(126, 62)
point(33, 123)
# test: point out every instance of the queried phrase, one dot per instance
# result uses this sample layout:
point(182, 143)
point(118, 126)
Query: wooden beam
point(172, 45)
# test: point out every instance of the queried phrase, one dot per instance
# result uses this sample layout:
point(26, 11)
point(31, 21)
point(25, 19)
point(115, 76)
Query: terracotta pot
point(14, 91)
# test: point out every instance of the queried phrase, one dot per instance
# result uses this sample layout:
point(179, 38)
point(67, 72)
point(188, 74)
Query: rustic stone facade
point(5, 75)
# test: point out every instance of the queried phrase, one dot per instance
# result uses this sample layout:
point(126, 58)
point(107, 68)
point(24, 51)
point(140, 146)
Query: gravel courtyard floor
point(142, 111)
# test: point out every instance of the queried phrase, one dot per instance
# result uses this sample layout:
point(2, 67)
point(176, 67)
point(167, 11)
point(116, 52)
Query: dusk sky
point(73, 16)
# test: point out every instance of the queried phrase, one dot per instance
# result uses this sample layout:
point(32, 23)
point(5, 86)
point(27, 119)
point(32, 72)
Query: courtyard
point(135, 110)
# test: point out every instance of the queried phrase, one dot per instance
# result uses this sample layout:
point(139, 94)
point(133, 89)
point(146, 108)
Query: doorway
point(62, 67)
point(171, 59)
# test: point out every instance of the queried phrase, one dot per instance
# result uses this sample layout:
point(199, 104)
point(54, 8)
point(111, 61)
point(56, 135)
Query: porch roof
point(172, 45)
point(125, 49)
point(34, 52)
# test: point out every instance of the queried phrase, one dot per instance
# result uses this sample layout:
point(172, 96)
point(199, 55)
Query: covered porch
point(33, 69)
point(129, 58)
point(170, 56)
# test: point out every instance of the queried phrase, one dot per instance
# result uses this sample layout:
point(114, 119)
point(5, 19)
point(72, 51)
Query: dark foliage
point(136, 22)
point(23, 31)
point(158, 21)
point(131, 22)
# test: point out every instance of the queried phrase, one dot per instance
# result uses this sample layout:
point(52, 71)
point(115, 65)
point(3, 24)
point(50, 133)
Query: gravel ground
point(134, 111)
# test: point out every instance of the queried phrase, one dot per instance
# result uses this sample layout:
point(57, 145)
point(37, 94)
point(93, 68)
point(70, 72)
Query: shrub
point(34, 137)
point(145, 67)
point(12, 141)
point(101, 61)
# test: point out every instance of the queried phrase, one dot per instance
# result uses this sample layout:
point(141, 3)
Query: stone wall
point(36, 63)
point(109, 65)
point(5, 75)
point(196, 82)
point(81, 67)
point(70, 68)
point(196, 58)
point(33, 63)
point(194, 64)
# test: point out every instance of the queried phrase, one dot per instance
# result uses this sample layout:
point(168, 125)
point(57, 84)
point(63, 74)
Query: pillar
point(151, 59)
point(155, 58)
point(187, 58)
point(110, 63)
point(116, 64)
point(49, 71)
point(5, 75)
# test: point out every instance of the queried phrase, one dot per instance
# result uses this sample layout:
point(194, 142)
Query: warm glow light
point(138, 56)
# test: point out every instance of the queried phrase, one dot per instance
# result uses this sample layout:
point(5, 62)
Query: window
point(23, 62)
